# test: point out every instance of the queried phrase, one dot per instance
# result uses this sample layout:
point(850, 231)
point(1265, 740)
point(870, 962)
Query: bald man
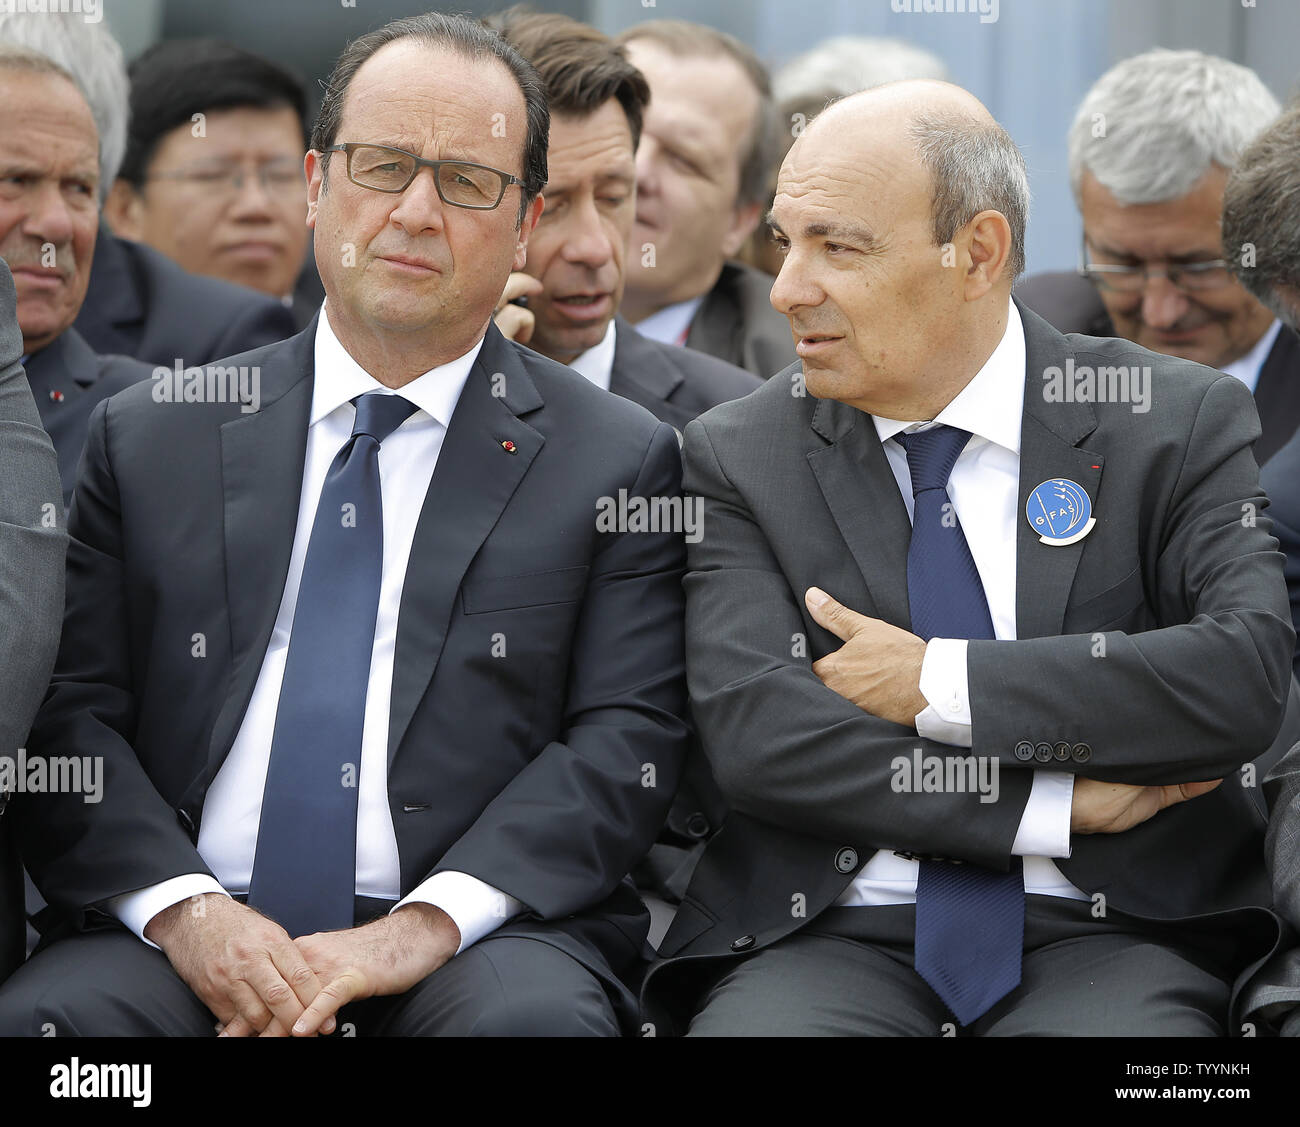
point(988, 641)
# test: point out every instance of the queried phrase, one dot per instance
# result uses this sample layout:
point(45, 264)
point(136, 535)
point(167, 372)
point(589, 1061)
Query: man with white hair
point(139, 303)
point(1150, 150)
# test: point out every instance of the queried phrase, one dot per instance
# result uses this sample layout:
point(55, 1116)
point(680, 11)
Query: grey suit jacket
point(1186, 597)
point(674, 384)
point(737, 323)
point(33, 543)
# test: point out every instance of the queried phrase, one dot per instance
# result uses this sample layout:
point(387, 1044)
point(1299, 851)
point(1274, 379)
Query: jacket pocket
point(511, 592)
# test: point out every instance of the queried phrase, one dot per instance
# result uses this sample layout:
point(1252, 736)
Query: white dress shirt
point(984, 490)
point(597, 363)
point(1247, 369)
point(232, 807)
point(671, 324)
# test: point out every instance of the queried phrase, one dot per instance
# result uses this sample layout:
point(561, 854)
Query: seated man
point(139, 302)
point(385, 621)
point(943, 613)
point(1151, 147)
point(32, 546)
point(48, 222)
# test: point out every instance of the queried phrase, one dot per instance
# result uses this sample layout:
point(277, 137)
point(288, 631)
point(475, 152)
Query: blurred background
point(1030, 66)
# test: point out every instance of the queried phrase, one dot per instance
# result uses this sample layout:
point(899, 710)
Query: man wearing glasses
point(213, 170)
point(386, 714)
point(1150, 150)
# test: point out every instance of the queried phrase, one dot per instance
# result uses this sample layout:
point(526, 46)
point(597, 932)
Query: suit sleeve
point(568, 827)
point(33, 542)
point(81, 853)
point(784, 748)
point(1186, 702)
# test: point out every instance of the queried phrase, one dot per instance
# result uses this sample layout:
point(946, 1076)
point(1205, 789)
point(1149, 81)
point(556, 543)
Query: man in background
point(213, 170)
point(702, 166)
point(1150, 150)
point(49, 217)
point(139, 303)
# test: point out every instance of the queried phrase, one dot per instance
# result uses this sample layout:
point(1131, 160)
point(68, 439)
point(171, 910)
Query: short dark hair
point(467, 37)
point(1261, 207)
point(693, 40)
point(174, 80)
point(581, 68)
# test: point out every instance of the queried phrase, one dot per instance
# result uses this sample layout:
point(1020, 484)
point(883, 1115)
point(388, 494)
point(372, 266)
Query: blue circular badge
point(1059, 511)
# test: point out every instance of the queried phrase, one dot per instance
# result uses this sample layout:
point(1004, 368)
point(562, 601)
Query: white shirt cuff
point(136, 909)
point(475, 907)
point(945, 687)
point(1045, 824)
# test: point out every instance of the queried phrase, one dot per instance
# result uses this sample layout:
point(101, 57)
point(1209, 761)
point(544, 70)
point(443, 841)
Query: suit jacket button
point(1043, 752)
point(187, 823)
point(697, 825)
point(1024, 750)
point(744, 943)
point(1082, 753)
point(1061, 751)
point(846, 860)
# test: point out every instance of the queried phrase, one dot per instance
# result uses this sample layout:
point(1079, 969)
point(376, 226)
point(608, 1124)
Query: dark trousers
point(107, 983)
point(849, 973)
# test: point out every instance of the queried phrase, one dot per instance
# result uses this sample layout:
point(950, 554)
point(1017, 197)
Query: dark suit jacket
point(140, 303)
point(1071, 305)
point(67, 380)
point(673, 384)
point(737, 323)
point(1280, 478)
point(798, 492)
point(33, 543)
point(545, 772)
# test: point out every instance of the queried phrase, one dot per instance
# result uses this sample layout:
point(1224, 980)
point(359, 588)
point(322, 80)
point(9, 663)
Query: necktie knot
point(931, 455)
point(378, 415)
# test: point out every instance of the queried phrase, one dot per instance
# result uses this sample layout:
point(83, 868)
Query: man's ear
point(124, 210)
point(744, 220)
point(314, 170)
point(531, 216)
point(988, 242)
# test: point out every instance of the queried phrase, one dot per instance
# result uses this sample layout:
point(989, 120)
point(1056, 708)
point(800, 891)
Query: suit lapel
point(262, 455)
point(1050, 434)
point(642, 373)
point(1277, 395)
point(862, 492)
point(474, 480)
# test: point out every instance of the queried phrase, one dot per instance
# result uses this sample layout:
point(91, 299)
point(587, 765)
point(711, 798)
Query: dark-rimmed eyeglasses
point(1187, 276)
point(460, 183)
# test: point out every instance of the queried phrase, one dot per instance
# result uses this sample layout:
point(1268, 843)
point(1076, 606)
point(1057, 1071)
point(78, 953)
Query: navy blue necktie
point(304, 870)
point(970, 921)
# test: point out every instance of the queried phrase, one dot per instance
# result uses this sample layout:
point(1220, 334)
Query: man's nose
point(587, 243)
point(1163, 303)
point(794, 287)
point(253, 197)
point(419, 208)
point(50, 218)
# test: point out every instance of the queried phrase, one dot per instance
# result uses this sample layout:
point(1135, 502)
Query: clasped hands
point(879, 669)
point(260, 981)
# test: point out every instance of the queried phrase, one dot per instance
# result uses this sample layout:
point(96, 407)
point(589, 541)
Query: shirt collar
point(340, 379)
point(671, 323)
point(597, 363)
point(992, 404)
point(1248, 367)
